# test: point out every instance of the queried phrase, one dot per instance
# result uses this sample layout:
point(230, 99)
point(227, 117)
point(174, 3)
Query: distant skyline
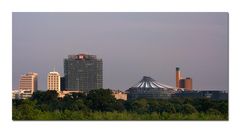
point(132, 45)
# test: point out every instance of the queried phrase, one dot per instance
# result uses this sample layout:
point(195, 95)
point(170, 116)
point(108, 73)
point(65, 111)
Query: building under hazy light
point(149, 88)
point(119, 95)
point(178, 77)
point(183, 84)
point(53, 81)
point(28, 84)
point(83, 72)
point(188, 84)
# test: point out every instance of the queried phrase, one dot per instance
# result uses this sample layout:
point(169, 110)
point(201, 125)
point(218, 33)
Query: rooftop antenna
point(54, 68)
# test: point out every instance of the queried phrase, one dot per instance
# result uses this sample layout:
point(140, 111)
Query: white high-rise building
point(28, 83)
point(53, 81)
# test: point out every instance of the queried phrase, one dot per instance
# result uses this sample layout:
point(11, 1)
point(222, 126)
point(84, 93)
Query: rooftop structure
point(149, 88)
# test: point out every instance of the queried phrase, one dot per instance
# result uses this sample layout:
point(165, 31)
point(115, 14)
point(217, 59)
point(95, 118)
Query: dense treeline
point(101, 105)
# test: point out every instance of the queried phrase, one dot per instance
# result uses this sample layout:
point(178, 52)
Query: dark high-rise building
point(62, 83)
point(83, 72)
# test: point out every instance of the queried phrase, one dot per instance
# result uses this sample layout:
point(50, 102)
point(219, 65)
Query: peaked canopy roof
point(148, 82)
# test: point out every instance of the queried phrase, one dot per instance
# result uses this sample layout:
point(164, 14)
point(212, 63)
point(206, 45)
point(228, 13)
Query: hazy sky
point(132, 45)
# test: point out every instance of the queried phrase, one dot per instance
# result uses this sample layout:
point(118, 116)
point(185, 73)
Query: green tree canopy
point(101, 100)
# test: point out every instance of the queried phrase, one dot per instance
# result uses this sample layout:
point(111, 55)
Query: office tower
point(83, 72)
point(28, 82)
point(188, 84)
point(178, 76)
point(62, 81)
point(53, 81)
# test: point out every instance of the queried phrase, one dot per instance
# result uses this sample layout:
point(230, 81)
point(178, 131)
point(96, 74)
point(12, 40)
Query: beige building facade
point(53, 81)
point(28, 83)
point(119, 94)
point(63, 93)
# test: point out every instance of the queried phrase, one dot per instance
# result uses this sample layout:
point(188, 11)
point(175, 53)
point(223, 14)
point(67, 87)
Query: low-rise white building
point(21, 94)
point(15, 94)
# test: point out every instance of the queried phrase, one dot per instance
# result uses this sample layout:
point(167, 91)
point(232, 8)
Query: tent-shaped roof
point(148, 82)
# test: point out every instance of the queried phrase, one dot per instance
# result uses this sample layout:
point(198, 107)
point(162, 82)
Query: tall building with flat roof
point(188, 84)
point(83, 72)
point(28, 82)
point(53, 81)
point(62, 83)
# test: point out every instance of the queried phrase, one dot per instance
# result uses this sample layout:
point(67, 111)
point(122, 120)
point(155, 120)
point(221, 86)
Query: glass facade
point(83, 72)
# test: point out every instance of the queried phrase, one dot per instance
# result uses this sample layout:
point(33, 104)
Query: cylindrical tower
point(188, 84)
point(178, 76)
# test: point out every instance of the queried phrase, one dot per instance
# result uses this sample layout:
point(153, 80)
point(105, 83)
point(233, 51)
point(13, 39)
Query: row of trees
point(100, 104)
